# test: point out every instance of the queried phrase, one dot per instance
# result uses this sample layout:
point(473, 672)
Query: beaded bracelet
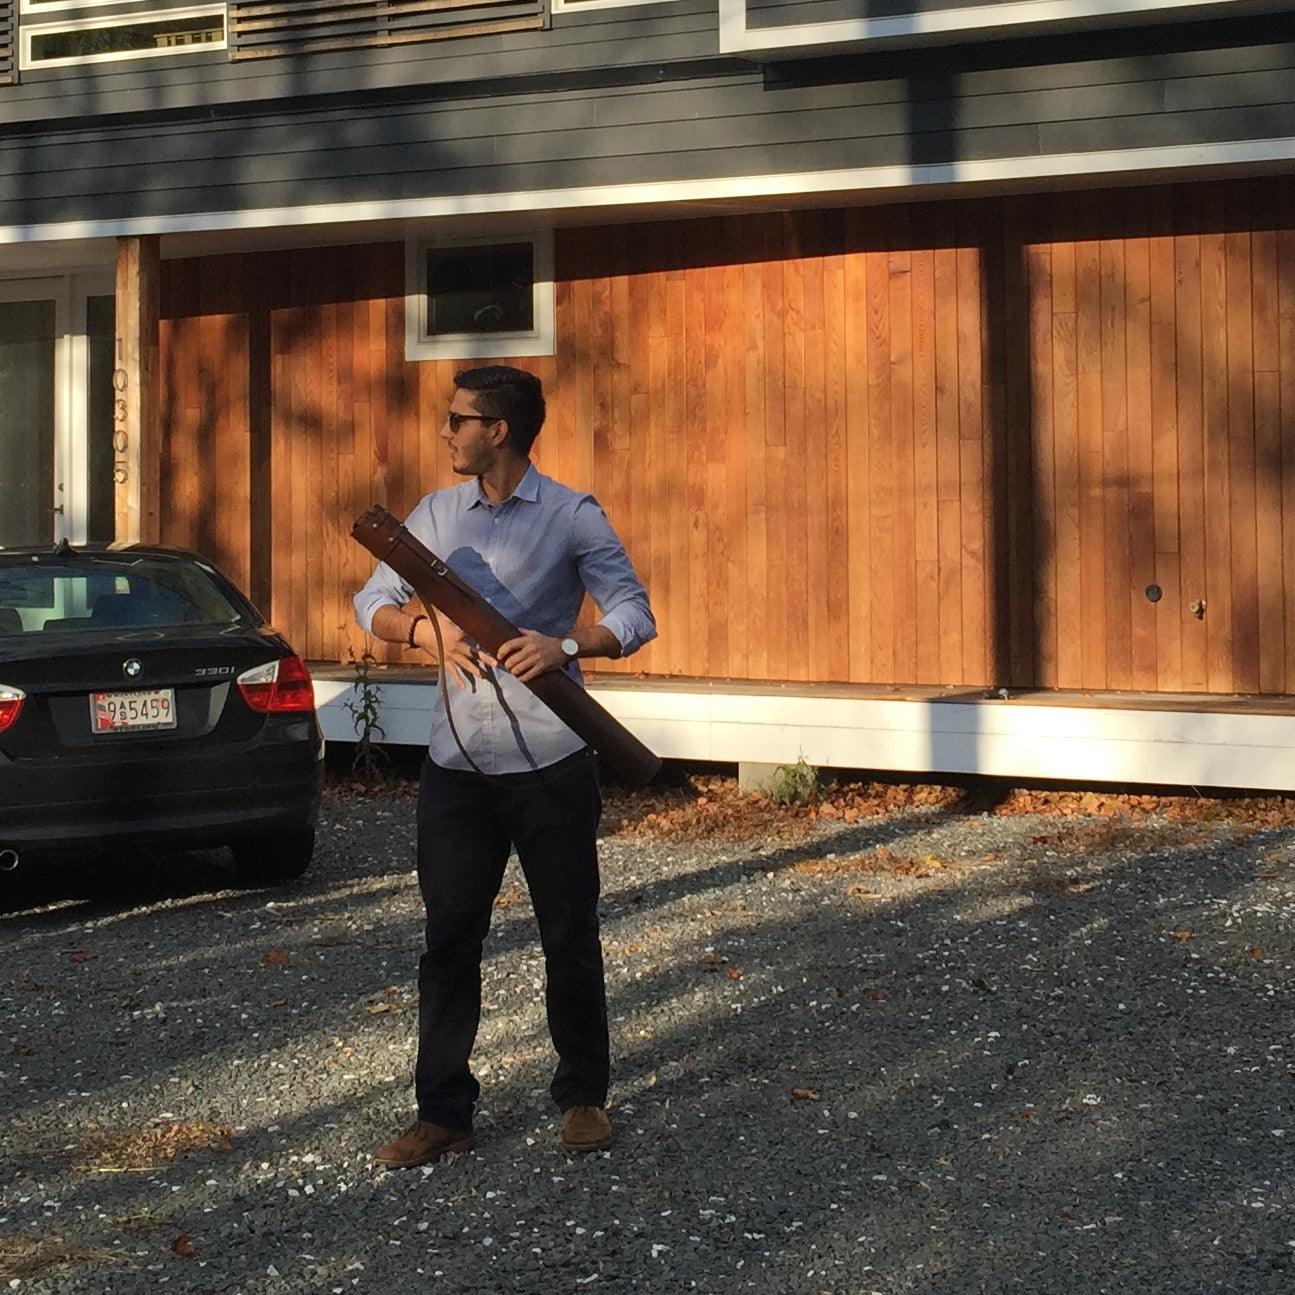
point(413, 626)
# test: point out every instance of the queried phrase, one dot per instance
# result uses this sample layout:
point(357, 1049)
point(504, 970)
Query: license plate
point(132, 712)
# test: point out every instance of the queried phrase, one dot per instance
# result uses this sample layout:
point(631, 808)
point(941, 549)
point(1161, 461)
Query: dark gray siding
point(613, 42)
point(599, 109)
point(717, 126)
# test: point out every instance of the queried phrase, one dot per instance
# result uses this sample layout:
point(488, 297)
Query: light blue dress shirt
point(533, 557)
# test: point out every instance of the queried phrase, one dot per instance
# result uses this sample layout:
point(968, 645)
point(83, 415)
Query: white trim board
point(1012, 739)
point(1011, 17)
point(1136, 164)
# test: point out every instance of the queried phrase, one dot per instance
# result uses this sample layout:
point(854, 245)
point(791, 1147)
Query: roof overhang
point(73, 244)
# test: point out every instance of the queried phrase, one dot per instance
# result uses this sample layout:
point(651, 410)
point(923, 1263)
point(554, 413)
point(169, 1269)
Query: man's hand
point(530, 655)
point(461, 659)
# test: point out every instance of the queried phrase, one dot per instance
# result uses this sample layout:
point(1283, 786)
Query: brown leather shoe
point(420, 1144)
point(586, 1128)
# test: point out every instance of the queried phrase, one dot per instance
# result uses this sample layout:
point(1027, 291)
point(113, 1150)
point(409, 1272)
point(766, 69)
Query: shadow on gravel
point(720, 876)
point(1030, 1071)
point(71, 887)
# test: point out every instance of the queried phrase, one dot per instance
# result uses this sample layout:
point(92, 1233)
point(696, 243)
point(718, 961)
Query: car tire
point(268, 859)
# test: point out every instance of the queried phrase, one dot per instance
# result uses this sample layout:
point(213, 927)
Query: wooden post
point(136, 432)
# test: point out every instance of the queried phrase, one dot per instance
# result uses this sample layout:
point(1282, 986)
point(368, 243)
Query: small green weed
point(798, 784)
point(365, 708)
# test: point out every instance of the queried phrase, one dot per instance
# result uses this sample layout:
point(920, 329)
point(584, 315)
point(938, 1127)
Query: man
point(502, 770)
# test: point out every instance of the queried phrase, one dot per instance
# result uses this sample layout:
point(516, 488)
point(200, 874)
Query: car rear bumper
point(212, 798)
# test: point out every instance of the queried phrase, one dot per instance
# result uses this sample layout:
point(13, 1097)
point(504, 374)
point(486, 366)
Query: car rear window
point(66, 596)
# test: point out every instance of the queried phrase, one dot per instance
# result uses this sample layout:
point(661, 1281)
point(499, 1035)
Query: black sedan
point(144, 700)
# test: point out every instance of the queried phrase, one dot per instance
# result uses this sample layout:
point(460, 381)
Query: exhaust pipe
point(8, 860)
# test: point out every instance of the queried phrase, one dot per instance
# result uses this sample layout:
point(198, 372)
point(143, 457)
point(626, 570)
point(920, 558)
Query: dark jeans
point(467, 825)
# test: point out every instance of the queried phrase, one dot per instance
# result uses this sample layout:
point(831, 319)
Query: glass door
point(28, 353)
point(56, 459)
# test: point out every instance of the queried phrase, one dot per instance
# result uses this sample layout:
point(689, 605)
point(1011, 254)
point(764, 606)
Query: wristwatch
point(570, 648)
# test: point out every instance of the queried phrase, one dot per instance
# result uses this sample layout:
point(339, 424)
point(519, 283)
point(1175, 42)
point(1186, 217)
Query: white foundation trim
point(992, 738)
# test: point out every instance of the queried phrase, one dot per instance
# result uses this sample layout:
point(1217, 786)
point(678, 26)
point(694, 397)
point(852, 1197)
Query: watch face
point(571, 647)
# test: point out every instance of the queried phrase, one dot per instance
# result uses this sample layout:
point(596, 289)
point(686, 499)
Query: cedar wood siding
point(936, 443)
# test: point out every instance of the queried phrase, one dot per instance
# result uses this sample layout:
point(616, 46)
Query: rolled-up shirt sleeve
point(384, 588)
point(609, 577)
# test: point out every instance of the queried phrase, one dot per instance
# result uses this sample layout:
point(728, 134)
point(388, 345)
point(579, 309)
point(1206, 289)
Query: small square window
point(483, 289)
point(480, 298)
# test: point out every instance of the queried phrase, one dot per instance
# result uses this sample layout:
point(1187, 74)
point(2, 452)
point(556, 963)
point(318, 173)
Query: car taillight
point(11, 700)
point(278, 686)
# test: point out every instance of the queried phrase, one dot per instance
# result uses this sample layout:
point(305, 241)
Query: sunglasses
point(457, 420)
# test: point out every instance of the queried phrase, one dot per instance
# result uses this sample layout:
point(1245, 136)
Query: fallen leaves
point(882, 860)
point(511, 897)
point(1116, 833)
point(860, 891)
point(23, 1257)
point(713, 805)
point(378, 1009)
point(1085, 824)
point(704, 804)
point(127, 1150)
point(806, 1094)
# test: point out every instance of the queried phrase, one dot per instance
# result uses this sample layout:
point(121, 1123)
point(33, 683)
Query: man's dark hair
point(501, 391)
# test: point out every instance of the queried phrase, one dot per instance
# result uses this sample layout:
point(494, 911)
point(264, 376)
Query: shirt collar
point(528, 490)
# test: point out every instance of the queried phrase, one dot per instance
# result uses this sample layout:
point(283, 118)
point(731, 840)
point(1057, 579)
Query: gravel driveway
point(929, 1050)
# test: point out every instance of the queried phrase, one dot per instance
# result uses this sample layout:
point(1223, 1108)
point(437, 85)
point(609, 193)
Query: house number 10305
point(120, 428)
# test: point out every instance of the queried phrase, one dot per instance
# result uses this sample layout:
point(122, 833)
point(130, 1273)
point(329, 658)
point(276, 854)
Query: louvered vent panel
point(283, 27)
point(6, 41)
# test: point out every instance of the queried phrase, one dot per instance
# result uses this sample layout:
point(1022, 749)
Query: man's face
point(469, 436)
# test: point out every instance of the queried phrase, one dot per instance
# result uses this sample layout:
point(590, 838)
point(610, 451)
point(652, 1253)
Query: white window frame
point(539, 340)
point(566, 6)
point(29, 31)
point(57, 6)
point(913, 26)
